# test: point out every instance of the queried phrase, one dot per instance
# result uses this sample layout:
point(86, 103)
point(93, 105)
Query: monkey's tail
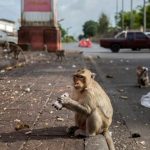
point(109, 140)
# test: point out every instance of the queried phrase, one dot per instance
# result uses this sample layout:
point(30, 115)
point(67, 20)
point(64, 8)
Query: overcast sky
point(74, 12)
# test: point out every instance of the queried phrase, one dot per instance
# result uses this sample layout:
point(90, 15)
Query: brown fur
point(14, 49)
point(60, 55)
point(142, 76)
point(92, 106)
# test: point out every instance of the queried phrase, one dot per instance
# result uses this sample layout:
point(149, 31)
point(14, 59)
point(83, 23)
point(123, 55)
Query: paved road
point(96, 50)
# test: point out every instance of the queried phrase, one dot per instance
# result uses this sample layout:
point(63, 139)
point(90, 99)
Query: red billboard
point(37, 5)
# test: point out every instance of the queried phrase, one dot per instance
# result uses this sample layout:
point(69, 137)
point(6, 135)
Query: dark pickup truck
point(135, 40)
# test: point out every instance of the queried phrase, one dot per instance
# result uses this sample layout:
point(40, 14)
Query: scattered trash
point(46, 124)
point(49, 84)
point(8, 81)
point(143, 143)
point(109, 76)
point(60, 67)
point(135, 135)
point(28, 132)
point(126, 68)
point(20, 125)
point(51, 112)
point(121, 90)
point(74, 66)
point(124, 97)
point(27, 89)
point(59, 118)
point(145, 100)
point(2, 71)
point(111, 61)
point(9, 68)
point(20, 65)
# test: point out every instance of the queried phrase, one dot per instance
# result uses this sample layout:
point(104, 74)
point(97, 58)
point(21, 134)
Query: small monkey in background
point(60, 54)
point(92, 107)
point(142, 76)
point(13, 48)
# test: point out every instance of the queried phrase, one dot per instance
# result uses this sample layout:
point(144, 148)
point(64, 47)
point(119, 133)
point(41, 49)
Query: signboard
point(37, 5)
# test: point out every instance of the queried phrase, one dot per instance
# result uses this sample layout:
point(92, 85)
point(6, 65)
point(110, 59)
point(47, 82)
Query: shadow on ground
point(36, 134)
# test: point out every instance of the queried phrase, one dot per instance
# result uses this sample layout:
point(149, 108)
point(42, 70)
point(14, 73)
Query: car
point(147, 33)
point(135, 40)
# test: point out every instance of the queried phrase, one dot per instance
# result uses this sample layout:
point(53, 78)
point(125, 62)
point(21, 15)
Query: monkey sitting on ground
point(92, 107)
point(60, 54)
point(142, 76)
point(10, 47)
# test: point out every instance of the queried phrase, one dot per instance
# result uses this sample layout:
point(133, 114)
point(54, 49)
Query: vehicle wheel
point(115, 48)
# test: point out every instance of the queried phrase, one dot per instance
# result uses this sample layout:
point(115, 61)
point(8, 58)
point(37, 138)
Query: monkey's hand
point(64, 101)
point(73, 105)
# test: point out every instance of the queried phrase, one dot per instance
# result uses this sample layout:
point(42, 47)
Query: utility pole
point(116, 12)
point(122, 14)
point(144, 21)
point(131, 15)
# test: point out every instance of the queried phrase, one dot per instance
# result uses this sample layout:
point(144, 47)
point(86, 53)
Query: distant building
point(7, 25)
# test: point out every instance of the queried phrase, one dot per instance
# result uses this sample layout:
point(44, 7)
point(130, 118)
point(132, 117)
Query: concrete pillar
point(54, 13)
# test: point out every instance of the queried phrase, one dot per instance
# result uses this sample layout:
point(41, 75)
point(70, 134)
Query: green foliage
point(103, 23)
point(90, 28)
point(137, 16)
point(68, 39)
point(63, 31)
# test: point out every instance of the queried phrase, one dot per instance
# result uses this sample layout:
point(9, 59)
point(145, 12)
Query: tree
point(63, 31)
point(103, 23)
point(137, 18)
point(90, 28)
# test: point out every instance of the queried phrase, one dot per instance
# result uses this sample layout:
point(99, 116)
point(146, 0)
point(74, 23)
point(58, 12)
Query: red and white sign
point(37, 5)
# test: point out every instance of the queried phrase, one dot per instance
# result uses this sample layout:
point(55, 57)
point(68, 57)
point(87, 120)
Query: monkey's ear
point(93, 75)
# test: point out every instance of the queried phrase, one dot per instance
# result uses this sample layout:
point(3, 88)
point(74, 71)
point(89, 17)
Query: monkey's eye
point(79, 77)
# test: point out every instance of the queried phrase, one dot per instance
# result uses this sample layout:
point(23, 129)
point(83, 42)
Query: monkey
point(92, 107)
point(142, 76)
point(10, 47)
point(60, 54)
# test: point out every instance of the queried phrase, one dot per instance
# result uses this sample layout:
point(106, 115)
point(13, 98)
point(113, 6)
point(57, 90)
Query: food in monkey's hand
point(58, 104)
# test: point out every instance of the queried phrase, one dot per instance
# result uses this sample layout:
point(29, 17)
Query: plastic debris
point(145, 100)
point(60, 67)
point(124, 97)
point(27, 89)
point(109, 76)
point(2, 71)
point(20, 125)
point(74, 66)
point(143, 143)
point(59, 118)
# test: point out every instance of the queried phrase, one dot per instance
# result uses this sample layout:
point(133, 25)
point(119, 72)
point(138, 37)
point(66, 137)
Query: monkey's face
point(79, 82)
point(139, 70)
